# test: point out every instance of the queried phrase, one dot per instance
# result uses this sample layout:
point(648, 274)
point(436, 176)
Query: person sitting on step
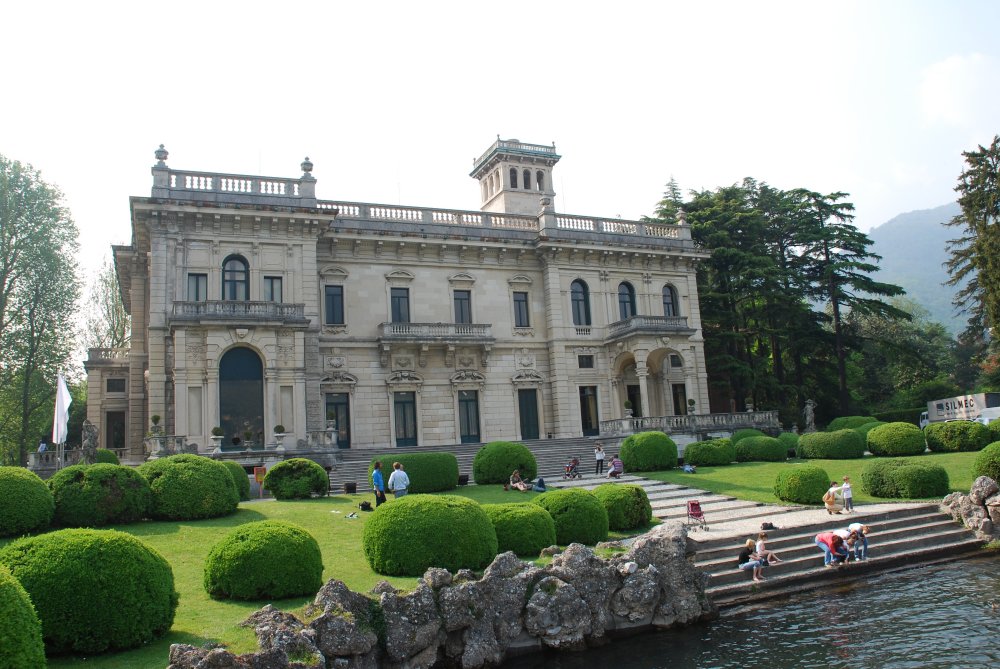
point(617, 467)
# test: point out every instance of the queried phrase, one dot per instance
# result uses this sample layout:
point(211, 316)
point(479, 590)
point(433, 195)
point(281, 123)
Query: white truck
point(979, 407)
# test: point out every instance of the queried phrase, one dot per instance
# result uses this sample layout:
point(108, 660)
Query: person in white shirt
point(398, 480)
point(845, 491)
point(599, 458)
point(861, 544)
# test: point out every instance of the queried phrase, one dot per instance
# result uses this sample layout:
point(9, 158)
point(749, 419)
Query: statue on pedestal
point(809, 413)
point(89, 439)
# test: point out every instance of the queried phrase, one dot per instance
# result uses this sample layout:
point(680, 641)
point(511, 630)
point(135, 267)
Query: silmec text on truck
point(963, 407)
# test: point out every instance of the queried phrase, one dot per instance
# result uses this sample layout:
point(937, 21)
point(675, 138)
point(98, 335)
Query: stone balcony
point(236, 311)
point(445, 335)
point(648, 325)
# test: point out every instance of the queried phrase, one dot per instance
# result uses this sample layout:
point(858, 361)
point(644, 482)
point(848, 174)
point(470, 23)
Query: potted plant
point(247, 436)
point(217, 436)
point(279, 434)
point(628, 408)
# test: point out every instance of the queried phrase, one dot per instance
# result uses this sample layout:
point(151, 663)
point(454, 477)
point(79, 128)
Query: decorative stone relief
point(466, 361)
point(526, 377)
point(334, 362)
point(525, 359)
point(195, 344)
point(524, 332)
point(241, 333)
point(404, 362)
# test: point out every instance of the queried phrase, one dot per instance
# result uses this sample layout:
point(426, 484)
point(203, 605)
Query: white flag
point(63, 400)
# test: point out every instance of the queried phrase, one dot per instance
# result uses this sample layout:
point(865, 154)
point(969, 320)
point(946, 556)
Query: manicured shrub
point(840, 445)
point(579, 515)
point(957, 436)
point(189, 487)
point(496, 460)
point(412, 533)
point(524, 528)
point(648, 452)
point(94, 590)
point(296, 478)
point(96, 495)
point(105, 456)
point(801, 484)
point(904, 478)
point(760, 449)
point(994, 428)
point(713, 452)
point(790, 440)
point(987, 462)
point(746, 432)
point(627, 505)
point(240, 479)
point(866, 428)
point(849, 422)
point(268, 559)
point(21, 644)
point(428, 472)
point(893, 439)
point(26, 503)
point(901, 415)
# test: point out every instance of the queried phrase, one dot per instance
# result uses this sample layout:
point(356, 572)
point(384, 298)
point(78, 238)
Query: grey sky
point(392, 101)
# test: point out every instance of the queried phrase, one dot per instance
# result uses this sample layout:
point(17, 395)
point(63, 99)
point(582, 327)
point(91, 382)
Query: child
point(845, 491)
point(748, 559)
point(761, 548)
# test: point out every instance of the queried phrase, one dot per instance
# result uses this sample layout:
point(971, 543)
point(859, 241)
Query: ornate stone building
point(254, 304)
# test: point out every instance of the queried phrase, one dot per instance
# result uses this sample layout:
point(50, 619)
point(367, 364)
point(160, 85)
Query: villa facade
point(256, 305)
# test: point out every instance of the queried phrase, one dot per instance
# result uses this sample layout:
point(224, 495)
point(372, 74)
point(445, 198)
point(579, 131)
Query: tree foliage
point(108, 324)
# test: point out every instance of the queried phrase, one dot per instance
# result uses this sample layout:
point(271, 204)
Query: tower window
point(540, 180)
point(513, 177)
point(527, 180)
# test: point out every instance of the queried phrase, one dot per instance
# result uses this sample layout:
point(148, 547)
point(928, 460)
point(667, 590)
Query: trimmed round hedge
point(627, 505)
point(579, 516)
point(746, 432)
point(96, 495)
point(412, 533)
point(94, 590)
point(268, 559)
point(893, 439)
point(711, 453)
point(189, 487)
point(428, 472)
point(760, 449)
point(866, 428)
point(26, 503)
point(987, 462)
point(994, 428)
point(495, 462)
point(904, 478)
point(240, 479)
point(20, 629)
point(523, 528)
point(849, 422)
point(957, 436)
point(790, 440)
point(105, 456)
point(296, 478)
point(843, 444)
point(802, 484)
point(648, 452)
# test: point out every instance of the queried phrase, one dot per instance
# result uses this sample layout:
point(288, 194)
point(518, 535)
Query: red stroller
point(573, 469)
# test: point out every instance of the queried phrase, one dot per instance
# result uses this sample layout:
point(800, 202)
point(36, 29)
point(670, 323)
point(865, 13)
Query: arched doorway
point(241, 394)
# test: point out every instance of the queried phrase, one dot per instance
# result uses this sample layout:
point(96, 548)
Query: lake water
point(934, 617)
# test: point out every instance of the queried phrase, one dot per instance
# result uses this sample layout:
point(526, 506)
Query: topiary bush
point(105, 456)
point(268, 559)
point(648, 452)
point(801, 484)
point(26, 503)
point(957, 436)
point(627, 505)
point(760, 449)
point(994, 428)
point(893, 439)
point(866, 428)
point(714, 452)
point(296, 478)
point(790, 440)
point(20, 629)
point(746, 432)
point(523, 528)
point(428, 472)
point(96, 495)
point(412, 533)
point(579, 516)
point(189, 487)
point(94, 590)
point(240, 479)
point(987, 462)
point(849, 422)
point(843, 444)
point(496, 460)
point(904, 478)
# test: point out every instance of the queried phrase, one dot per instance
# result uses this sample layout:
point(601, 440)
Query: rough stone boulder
point(979, 510)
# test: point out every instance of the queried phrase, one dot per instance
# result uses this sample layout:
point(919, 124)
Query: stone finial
point(161, 156)
point(682, 217)
point(307, 168)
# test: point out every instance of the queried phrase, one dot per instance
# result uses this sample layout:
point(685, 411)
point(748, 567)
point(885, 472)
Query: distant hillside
point(913, 249)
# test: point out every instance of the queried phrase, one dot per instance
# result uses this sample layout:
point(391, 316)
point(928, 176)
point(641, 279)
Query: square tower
point(514, 176)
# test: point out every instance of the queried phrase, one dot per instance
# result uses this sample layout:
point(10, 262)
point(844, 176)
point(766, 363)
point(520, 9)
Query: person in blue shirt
point(378, 484)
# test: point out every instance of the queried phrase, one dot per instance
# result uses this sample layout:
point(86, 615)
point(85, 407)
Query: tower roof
point(516, 150)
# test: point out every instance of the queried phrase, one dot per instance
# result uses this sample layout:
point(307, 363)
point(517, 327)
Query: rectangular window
point(585, 361)
point(468, 416)
point(334, 297)
point(521, 318)
point(115, 385)
point(272, 289)
point(405, 408)
point(675, 360)
point(463, 306)
point(400, 305)
point(197, 287)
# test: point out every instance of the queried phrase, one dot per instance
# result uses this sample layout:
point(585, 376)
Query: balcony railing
point(513, 146)
point(238, 311)
point(475, 332)
point(107, 354)
point(692, 423)
point(649, 325)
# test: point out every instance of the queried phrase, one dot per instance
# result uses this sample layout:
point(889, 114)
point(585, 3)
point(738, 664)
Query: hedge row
point(842, 444)
point(849, 422)
point(957, 436)
point(760, 449)
point(901, 415)
point(428, 472)
point(713, 452)
point(894, 439)
point(904, 478)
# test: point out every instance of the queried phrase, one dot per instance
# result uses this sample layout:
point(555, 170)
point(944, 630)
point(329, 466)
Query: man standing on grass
point(398, 480)
point(378, 484)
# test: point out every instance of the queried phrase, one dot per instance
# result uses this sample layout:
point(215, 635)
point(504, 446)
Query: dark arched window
point(235, 279)
point(670, 301)
point(626, 300)
point(527, 180)
point(580, 299)
point(513, 177)
point(241, 393)
point(540, 180)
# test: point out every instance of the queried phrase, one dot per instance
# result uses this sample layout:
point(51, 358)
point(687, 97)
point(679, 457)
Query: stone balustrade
point(233, 188)
point(477, 331)
point(238, 310)
point(649, 325)
point(692, 423)
point(107, 354)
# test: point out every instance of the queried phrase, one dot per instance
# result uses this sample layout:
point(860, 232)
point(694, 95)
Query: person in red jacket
point(834, 550)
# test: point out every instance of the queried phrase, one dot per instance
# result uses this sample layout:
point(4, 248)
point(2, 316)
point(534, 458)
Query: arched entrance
point(241, 394)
